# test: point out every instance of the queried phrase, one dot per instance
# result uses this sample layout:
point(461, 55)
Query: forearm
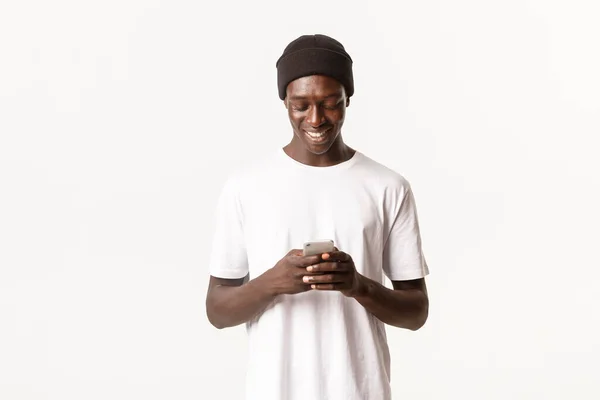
point(228, 306)
point(401, 308)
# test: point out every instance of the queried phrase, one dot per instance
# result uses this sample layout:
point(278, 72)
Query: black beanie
point(314, 55)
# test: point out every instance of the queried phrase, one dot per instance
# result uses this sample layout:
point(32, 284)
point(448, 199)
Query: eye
point(299, 107)
point(332, 106)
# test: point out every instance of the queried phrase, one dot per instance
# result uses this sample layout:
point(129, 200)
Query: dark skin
point(317, 103)
point(316, 106)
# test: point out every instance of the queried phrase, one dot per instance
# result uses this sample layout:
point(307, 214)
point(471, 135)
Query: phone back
point(318, 247)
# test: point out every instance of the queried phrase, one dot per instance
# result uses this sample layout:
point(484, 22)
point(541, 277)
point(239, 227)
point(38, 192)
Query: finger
point(328, 267)
point(325, 278)
point(328, 286)
point(337, 256)
point(305, 261)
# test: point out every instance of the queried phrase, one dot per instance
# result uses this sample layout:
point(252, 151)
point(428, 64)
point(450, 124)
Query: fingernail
point(313, 286)
point(309, 269)
point(306, 279)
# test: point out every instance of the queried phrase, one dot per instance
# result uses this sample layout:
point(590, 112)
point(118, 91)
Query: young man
point(316, 323)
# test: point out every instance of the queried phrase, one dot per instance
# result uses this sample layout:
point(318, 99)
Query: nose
point(315, 117)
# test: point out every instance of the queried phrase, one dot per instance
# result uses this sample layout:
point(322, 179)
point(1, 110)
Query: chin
point(318, 150)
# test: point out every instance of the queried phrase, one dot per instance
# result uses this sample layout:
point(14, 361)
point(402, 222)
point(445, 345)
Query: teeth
point(316, 135)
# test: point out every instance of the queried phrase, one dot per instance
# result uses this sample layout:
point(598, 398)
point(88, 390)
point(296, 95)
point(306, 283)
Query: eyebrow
point(305, 97)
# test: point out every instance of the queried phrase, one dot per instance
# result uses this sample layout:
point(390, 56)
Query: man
point(316, 323)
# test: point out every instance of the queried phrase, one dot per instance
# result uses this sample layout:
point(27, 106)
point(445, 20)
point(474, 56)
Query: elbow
point(218, 326)
point(213, 316)
point(419, 322)
point(420, 316)
point(215, 322)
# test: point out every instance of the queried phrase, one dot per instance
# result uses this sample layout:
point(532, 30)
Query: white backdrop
point(120, 120)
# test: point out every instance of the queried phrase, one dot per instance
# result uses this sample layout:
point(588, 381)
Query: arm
point(230, 302)
point(406, 306)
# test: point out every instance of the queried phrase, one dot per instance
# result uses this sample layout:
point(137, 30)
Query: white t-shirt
point(317, 345)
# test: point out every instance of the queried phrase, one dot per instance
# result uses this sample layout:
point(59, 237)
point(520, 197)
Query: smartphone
point(318, 247)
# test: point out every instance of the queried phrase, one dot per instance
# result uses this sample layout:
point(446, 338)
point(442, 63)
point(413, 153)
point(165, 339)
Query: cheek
point(338, 117)
point(295, 119)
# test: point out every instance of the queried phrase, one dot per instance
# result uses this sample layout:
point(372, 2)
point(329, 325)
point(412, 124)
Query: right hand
point(286, 276)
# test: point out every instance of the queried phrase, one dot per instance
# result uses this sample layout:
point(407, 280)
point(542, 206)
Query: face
point(316, 107)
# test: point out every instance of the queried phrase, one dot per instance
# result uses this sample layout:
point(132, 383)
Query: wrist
point(265, 286)
point(362, 286)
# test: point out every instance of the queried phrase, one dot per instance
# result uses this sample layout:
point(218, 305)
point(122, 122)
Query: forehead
point(315, 86)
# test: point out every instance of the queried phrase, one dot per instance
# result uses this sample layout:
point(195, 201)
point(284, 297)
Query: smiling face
point(316, 107)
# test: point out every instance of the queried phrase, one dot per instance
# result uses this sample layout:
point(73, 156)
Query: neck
point(338, 153)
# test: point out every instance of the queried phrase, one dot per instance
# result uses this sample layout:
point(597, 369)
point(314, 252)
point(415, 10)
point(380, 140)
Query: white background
point(120, 120)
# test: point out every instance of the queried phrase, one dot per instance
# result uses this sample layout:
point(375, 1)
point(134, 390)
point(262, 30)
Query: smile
point(317, 137)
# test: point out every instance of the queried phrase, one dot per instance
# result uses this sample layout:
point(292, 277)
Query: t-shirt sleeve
point(228, 258)
point(403, 257)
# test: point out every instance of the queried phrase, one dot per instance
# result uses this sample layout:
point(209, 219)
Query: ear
point(347, 101)
point(285, 103)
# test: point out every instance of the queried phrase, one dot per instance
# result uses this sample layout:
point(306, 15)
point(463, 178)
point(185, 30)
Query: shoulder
point(383, 175)
point(395, 190)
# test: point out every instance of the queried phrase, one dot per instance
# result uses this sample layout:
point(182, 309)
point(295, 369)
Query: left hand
point(335, 272)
